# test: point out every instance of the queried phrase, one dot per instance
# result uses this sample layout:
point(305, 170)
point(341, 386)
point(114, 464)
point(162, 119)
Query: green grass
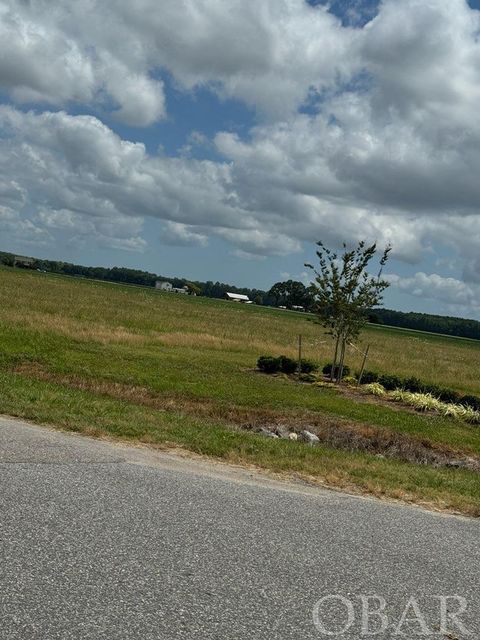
point(99, 416)
point(60, 337)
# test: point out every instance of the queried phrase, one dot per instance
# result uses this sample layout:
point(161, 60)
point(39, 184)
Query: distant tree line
point(208, 289)
point(448, 325)
point(288, 294)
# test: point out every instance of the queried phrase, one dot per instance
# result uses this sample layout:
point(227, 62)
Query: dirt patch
point(333, 431)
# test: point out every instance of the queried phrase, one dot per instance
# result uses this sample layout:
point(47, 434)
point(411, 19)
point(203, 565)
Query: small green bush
point(368, 377)
point(390, 382)
point(413, 384)
point(432, 389)
point(288, 365)
point(272, 364)
point(327, 370)
point(447, 395)
point(308, 366)
point(269, 364)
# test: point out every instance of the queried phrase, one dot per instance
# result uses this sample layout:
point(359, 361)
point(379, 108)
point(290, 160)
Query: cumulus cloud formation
point(80, 52)
point(457, 296)
point(77, 174)
point(55, 53)
point(366, 129)
point(182, 235)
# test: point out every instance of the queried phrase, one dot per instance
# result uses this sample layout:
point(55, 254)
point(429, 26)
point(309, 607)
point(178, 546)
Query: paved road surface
point(105, 541)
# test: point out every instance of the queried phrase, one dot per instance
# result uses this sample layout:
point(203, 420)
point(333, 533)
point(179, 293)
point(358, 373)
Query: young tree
point(345, 292)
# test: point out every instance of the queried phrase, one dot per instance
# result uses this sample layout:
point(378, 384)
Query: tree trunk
point(342, 359)
point(334, 364)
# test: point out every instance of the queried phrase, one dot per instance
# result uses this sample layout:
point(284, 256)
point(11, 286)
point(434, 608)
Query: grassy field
point(177, 371)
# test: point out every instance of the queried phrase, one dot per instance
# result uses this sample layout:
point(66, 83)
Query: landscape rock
point(267, 433)
point(308, 436)
point(293, 436)
point(457, 464)
point(282, 431)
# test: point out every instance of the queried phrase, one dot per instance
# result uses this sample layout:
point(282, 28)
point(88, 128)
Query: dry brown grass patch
point(76, 329)
point(206, 340)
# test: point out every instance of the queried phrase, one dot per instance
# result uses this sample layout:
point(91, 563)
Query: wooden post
point(365, 356)
point(299, 355)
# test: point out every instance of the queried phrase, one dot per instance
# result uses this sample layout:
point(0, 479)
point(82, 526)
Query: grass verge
point(96, 415)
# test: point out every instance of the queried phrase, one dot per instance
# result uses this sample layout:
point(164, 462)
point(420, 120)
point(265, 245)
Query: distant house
point(238, 297)
point(23, 262)
point(163, 286)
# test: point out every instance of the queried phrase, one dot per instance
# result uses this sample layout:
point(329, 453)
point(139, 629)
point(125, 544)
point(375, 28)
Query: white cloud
point(22, 229)
point(96, 183)
point(457, 297)
point(56, 54)
point(176, 233)
point(391, 154)
point(270, 55)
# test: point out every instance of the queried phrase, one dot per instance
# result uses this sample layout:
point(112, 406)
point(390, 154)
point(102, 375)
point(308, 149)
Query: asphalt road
point(100, 540)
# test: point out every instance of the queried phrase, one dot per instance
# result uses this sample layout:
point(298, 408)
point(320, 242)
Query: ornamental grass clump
point(425, 402)
point(400, 395)
point(471, 416)
point(375, 388)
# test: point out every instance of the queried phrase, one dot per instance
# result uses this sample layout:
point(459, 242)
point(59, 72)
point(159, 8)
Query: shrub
point(350, 379)
point(271, 364)
point(287, 365)
point(390, 382)
point(327, 370)
point(470, 401)
point(268, 364)
point(447, 395)
point(368, 377)
point(432, 389)
point(412, 384)
point(308, 366)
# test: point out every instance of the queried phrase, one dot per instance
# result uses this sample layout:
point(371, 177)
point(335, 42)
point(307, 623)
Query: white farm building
point(163, 286)
point(238, 297)
point(167, 286)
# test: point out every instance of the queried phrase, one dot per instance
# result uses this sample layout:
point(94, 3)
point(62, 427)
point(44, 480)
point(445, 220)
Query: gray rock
point(293, 436)
point(282, 431)
point(267, 433)
point(308, 436)
point(457, 464)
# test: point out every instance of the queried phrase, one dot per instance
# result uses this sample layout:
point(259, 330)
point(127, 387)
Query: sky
point(220, 139)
